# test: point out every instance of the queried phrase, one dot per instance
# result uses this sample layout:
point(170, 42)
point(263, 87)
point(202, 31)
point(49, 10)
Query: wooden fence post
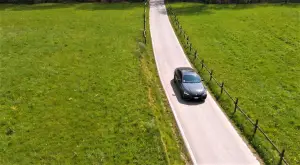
point(145, 37)
point(255, 127)
point(222, 88)
point(195, 55)
point(144, 23)
point(281, 157)
point(235, 105)
point(211, 73)
point(202, 61)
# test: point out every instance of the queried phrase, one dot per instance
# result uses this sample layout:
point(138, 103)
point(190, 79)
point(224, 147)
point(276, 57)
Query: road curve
point(208, 135)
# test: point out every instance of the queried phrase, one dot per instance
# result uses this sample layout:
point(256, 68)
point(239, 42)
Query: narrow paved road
point(207, 133)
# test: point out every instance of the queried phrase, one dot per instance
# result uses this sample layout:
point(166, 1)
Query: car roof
point(186, 70)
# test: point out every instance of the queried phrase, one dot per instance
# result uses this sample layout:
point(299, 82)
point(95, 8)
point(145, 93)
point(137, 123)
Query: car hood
point(194, 88)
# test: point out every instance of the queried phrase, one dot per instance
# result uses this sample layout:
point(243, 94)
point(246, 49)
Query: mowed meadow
point(255, 51)
point(73, 91)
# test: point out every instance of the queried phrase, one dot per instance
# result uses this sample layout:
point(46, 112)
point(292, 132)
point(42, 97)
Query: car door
point(176, 77)
point(180, 81)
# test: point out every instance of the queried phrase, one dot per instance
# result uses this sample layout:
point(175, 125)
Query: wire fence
point(203, 67)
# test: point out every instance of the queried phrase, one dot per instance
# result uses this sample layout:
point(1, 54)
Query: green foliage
point(255, 50)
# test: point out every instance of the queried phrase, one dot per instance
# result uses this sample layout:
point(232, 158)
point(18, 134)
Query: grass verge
point(173, 145)
point(73, 88)
point(255, 50)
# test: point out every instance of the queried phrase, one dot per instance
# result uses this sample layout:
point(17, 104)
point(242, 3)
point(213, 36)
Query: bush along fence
point(202, 67)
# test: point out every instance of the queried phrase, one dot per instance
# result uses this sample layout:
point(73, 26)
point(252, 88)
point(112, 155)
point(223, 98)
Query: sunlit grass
point(72, 89)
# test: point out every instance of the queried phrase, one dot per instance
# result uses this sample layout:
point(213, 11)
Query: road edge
point(187, 145)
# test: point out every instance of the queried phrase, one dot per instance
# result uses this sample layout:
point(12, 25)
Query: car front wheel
point(182, 95)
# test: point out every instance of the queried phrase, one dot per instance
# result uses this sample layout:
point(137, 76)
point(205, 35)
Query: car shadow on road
point(180, 100)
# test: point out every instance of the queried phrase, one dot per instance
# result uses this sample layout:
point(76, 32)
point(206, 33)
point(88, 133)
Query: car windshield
point(191, 78)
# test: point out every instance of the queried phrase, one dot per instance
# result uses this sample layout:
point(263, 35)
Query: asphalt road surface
point(208, 134)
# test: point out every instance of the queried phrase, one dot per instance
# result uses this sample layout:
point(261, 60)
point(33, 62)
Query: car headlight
point(185, 93)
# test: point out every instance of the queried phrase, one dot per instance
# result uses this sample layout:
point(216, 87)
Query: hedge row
point(237, 1)
point(61, 1)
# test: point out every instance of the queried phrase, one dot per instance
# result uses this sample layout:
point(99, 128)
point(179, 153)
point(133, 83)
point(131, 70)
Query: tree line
point(237, 1)
point(62, 1)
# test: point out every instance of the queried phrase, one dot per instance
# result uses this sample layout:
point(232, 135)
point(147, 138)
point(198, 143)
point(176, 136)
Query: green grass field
point(255, 50)
point(74, 89)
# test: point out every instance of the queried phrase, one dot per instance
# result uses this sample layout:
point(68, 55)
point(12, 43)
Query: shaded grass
point(255, 51)
point(72, 89)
